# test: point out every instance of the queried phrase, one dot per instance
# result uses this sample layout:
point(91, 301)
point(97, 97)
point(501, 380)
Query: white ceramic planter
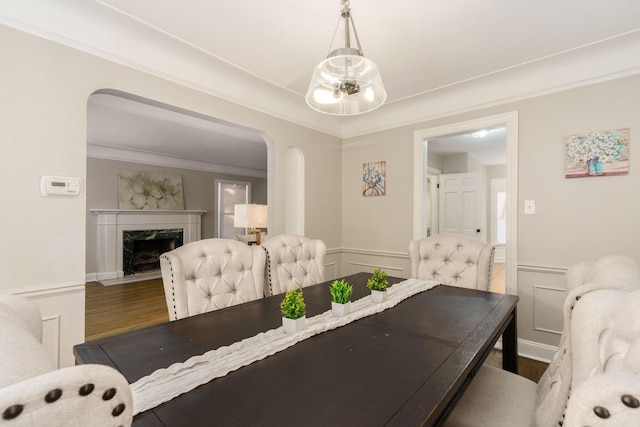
point(340, 310)
point(379, 296)
point(291, 326)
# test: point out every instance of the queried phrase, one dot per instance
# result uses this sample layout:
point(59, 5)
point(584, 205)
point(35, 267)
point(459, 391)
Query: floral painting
point(374, 179)
point(597, 154)
point(150, 190)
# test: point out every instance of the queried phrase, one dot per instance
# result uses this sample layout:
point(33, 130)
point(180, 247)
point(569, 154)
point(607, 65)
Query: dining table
point(405, 366)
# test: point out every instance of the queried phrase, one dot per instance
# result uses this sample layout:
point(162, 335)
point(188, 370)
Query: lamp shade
point(250, 216)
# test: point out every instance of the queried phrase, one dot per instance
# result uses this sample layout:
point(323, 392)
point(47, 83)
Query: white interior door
point(462, 205)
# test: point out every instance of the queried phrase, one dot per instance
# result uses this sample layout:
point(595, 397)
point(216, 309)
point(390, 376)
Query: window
point(230, 193)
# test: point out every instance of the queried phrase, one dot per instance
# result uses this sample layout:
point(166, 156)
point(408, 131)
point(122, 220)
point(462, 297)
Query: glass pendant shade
point(346, 83)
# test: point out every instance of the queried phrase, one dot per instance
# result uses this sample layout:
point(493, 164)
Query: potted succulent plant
point(293, 311)
point(341, 292)
point(377, 283)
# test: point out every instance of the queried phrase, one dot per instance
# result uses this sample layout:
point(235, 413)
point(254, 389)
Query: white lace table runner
point(166, 383)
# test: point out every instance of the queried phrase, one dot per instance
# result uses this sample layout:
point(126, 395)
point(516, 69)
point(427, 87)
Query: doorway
point(421, 188)
point(128, 131)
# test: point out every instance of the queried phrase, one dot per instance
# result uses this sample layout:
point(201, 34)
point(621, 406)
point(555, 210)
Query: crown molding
point(607, 60)
point(108, 34)
point(126, 155)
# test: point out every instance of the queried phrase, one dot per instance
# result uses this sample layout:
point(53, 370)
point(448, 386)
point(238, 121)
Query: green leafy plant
point(378, 280)
point(341, 291)
point(293, 306)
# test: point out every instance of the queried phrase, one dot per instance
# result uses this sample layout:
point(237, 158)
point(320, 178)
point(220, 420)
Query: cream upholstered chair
point(293, 261)
point(453, 260)
point(34, 393)
point(210, 274)
point(594, 377)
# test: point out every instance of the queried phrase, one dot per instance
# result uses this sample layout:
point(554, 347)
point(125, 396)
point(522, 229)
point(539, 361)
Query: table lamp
point(251, 216)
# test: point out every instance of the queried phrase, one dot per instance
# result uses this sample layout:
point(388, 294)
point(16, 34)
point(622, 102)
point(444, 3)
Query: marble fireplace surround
point(111, 223)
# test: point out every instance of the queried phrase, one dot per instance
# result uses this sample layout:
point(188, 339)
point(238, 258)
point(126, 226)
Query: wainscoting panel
point(360, 260)
point(51, 337)
point(331, 271)
point(542, 292)
point(62, 311)
point(360, 267)
point(547, 309)
point(332, 264)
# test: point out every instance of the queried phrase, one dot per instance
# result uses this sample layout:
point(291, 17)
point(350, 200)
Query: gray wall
point(576, 219)
point(44, 103)
point(199, 193)
point(44, 91)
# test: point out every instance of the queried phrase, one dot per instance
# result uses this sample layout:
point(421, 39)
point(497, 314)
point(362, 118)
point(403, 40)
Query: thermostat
point(60, 186)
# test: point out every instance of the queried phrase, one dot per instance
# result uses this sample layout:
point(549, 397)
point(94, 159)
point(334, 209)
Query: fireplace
point(120, 233)
point(141, 249)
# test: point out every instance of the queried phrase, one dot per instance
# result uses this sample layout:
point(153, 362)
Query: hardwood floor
point(528, 368)
point(112, 310)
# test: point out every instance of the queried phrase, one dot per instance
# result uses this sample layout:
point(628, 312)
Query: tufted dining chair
point(211, 274)
point(293, 260)
point(452, 259)
point(594, 377)
point(34, 393)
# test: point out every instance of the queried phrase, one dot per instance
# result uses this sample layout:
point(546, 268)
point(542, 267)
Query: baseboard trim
point(533, 350)
point(139, 277)
point(536, 351)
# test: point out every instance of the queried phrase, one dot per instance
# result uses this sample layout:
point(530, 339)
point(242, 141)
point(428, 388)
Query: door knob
point(477, 230)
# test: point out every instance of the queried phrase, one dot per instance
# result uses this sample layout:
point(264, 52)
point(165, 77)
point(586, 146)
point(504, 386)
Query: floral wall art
point(150, 190)
point(374, 181)
point(597, 154)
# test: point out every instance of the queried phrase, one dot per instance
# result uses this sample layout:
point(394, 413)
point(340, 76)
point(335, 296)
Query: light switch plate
point(529, 207)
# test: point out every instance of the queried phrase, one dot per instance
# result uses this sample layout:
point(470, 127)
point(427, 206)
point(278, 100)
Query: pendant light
point(346, 83)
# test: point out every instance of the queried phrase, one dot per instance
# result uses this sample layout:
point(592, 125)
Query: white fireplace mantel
point(112, 222)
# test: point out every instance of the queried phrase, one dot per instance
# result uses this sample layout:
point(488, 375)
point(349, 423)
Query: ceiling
point(419, 45)
point(437, 58)
point(490, 150)
point(125, 125)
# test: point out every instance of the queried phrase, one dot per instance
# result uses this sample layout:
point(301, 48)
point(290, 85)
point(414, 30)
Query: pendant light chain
point(346, 14)
point(346, 6)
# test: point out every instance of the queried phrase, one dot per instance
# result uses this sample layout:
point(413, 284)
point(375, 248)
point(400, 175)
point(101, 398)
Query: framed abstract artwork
point(602, 153)
point(150, 190)
point(374, 179)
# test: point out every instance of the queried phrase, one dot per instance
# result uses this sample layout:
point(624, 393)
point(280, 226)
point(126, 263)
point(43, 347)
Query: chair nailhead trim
point(12, 412)
point(601, 412)
point(53, 395)
point(86, 389)
point(630, 401)
point(118, 410)
point(108, 394)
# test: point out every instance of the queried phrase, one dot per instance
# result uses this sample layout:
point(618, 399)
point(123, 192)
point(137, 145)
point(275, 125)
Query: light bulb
point(369, 95)
point(324, 96)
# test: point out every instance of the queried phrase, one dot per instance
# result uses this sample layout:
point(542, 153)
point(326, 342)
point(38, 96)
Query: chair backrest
point(210, 274)
point(452, 259)
point(33, 392)
point(293, 261)
point(600, 342)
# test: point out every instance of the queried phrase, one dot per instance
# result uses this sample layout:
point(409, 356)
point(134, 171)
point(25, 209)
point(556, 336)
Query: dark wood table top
point(404, 366)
